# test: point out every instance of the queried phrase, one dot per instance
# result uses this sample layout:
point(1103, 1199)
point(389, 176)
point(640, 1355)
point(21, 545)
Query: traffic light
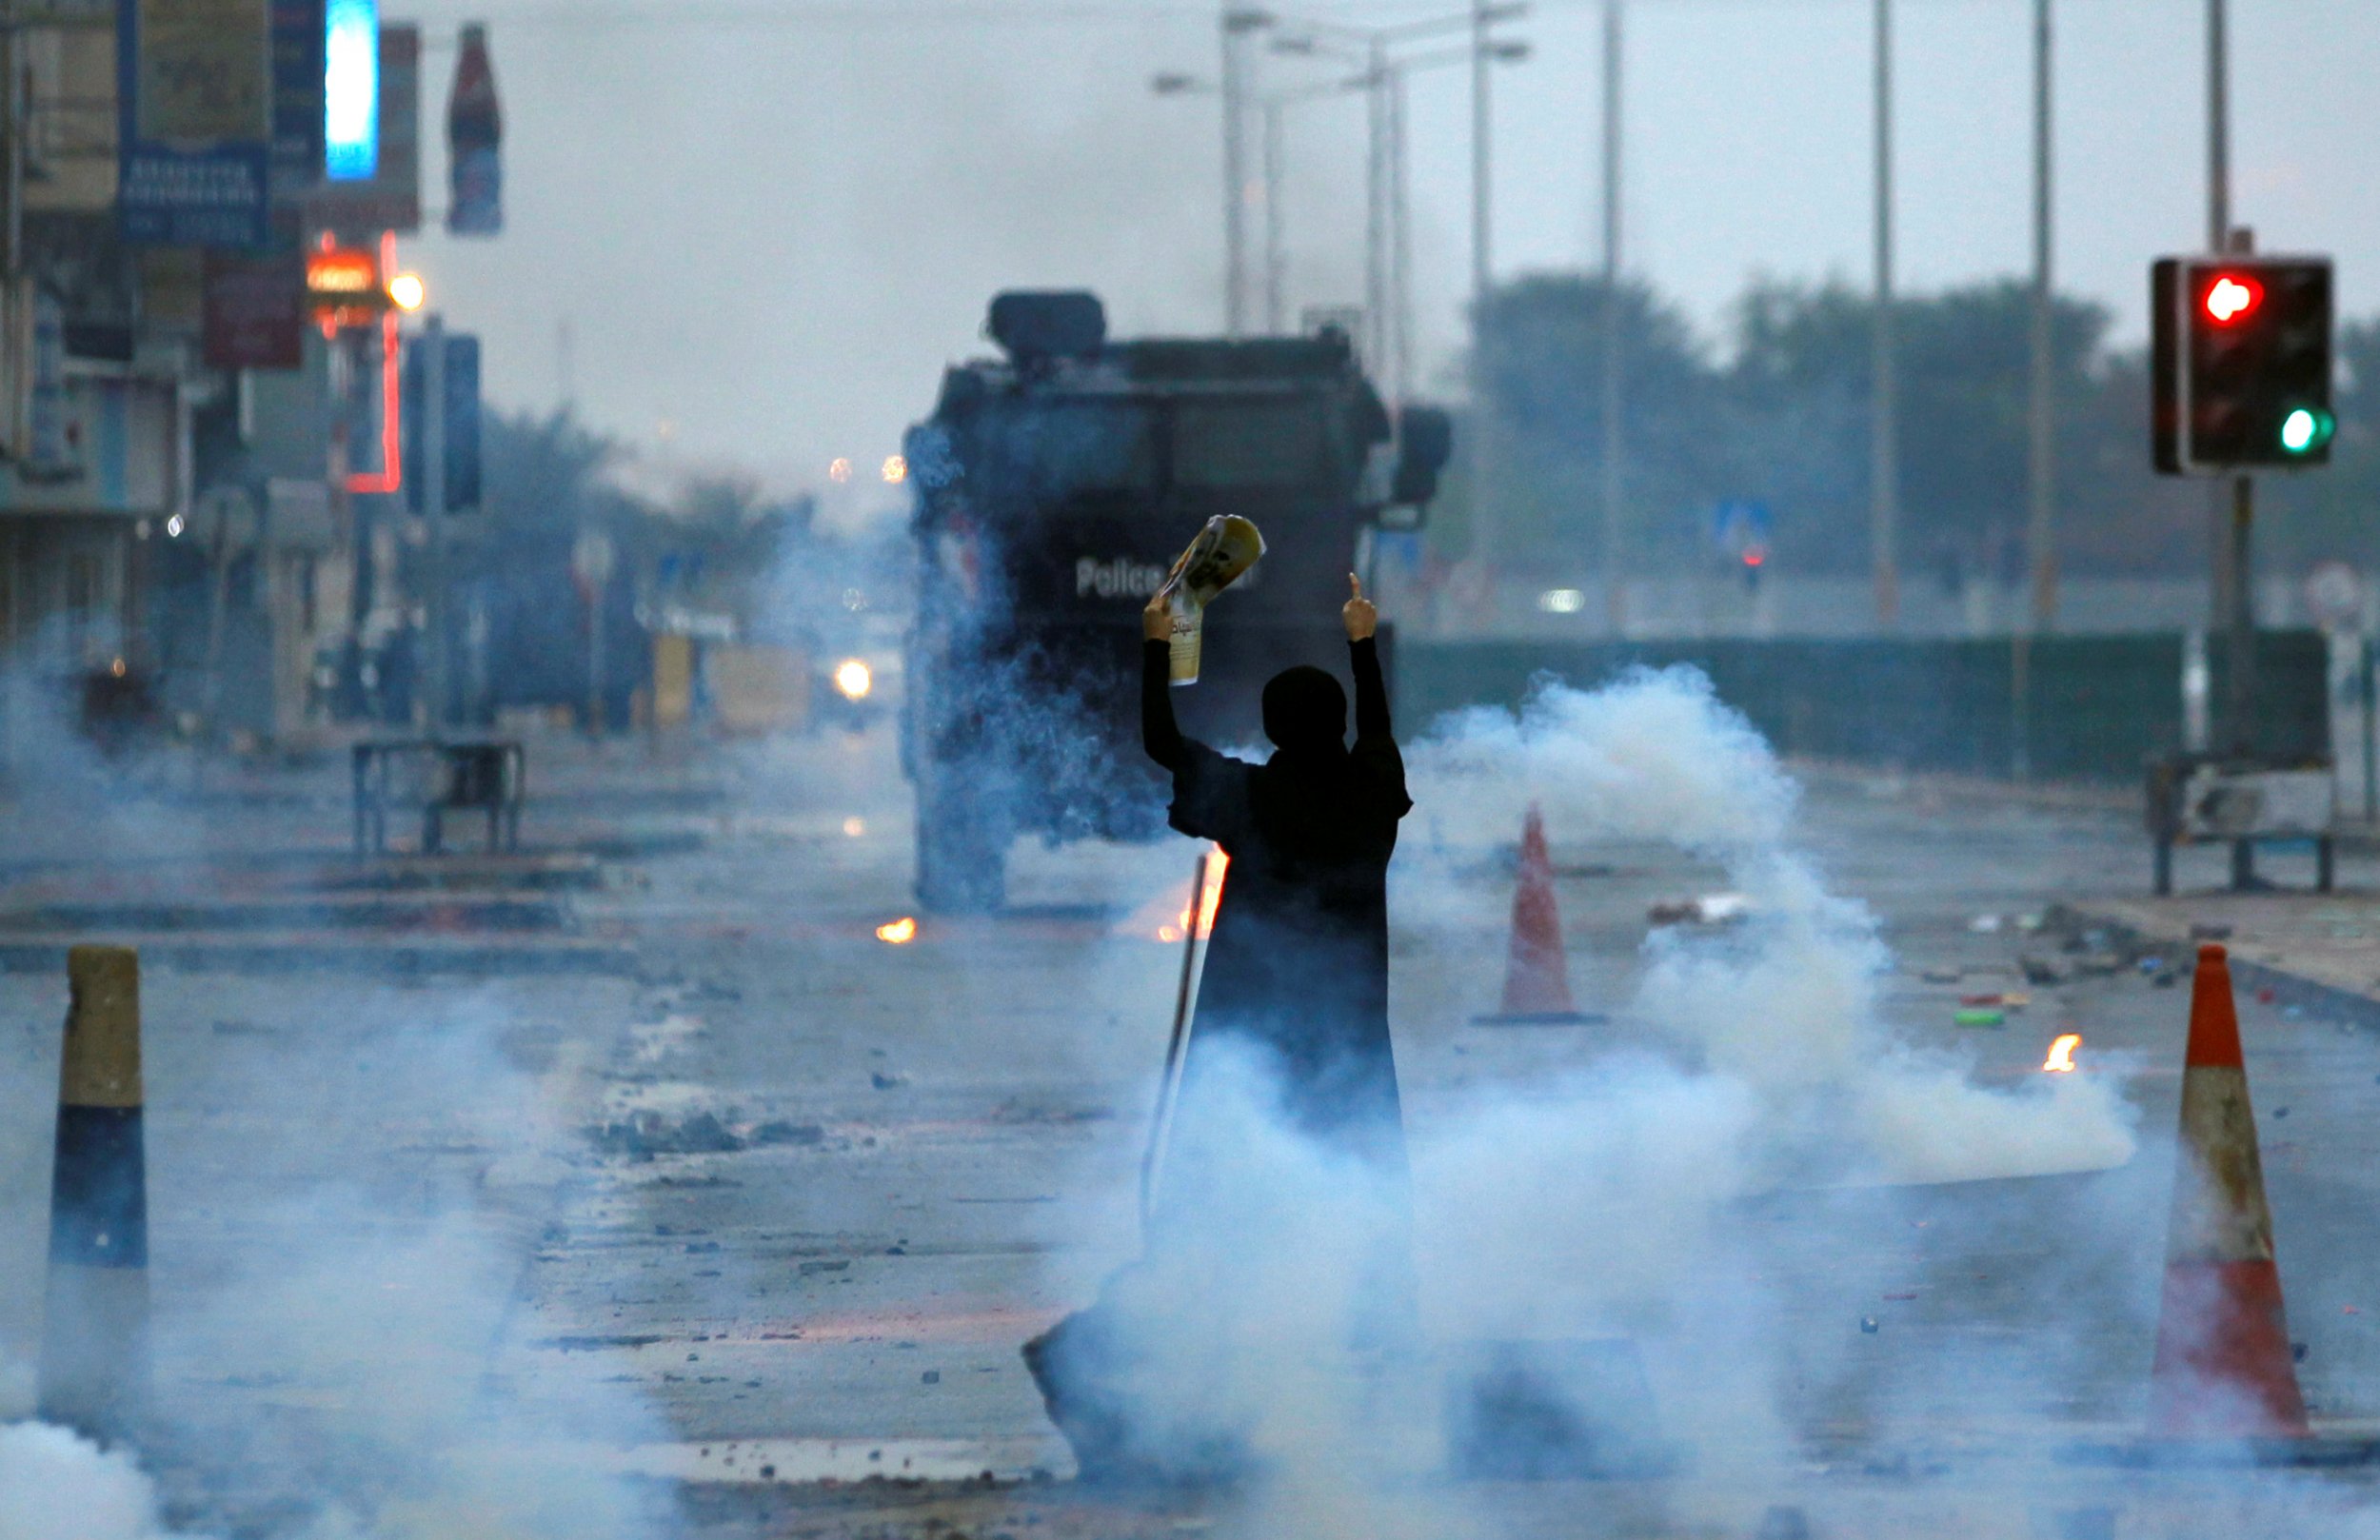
point(2240, 356)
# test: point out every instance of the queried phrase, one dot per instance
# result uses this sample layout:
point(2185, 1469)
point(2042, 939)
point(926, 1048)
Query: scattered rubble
point(648, 1135)
point(1710, 909)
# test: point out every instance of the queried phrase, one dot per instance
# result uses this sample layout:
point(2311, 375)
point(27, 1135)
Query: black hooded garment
point(1297, 970)
point(1298, 963)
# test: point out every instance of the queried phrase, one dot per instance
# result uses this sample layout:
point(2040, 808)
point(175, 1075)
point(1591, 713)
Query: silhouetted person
point(1298, 963)
point(1287, 1104)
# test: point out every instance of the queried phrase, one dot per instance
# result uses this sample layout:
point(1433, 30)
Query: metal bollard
point(94, 1352)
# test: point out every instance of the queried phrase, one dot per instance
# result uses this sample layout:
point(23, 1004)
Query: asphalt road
point(781, 1206)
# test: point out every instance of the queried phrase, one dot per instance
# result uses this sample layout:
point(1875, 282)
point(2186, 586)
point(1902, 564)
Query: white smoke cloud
point(1653, 756)
point(1603, 1201)
point(56, 1485)
point(1782, 1009)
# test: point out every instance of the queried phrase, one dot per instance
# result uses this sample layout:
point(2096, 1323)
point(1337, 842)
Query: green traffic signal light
point(2306, 428)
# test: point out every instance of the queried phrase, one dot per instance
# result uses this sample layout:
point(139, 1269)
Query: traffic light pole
point(2240, 693)
point(2234, 593)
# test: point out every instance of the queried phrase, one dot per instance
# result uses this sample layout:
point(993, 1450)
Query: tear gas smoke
point(1782, 1009)
point(1600, 1200)
point(369, 1308)
point(55, 1485)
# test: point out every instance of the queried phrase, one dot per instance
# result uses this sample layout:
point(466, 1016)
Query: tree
point(1540, 373)
point(1804, 372)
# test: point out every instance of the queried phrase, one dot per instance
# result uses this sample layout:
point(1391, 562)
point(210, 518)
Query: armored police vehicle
point(1054, 487)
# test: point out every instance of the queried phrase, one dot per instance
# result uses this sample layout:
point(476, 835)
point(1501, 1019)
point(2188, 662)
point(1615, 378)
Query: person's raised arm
point(1158, 734)
point(1364, 656)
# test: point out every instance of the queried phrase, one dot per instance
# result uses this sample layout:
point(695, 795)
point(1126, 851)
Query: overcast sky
point(768, 223)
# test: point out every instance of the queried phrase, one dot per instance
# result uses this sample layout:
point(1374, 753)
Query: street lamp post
point(2042, 417)
point(1238, 23)
point(1275, 279)
point(2041, 420)
point(1378, 209)
point(1614, 534)
point(1401, 242)
point(1270, 107)
point(1387, 228)
point(1481, 183)
point(1884, 456)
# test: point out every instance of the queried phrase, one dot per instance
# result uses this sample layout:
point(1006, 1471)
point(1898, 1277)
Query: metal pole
point(1884, 460)
point(1173, 1044)
point(19, 115)
point(2218, 132)
point(1482, 263)
point(2239, 693)
point(1400, 238)
point(2239, 703)
point(2368, 688)
point(2218, 239)
point(2044, 411)
point(1484, 437)
point(1276, 276)
point(1375, 282)
point(433, 431)
point(2040, 536)
point(1235, 183)
point(1615, 513)
point(596, 617)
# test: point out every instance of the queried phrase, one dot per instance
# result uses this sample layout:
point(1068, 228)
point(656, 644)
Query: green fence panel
point(2096, 707)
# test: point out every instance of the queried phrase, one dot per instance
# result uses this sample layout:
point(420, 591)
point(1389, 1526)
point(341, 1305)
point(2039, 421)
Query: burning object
point(1168, 918)
point(898, 931)
point(2061, 1059)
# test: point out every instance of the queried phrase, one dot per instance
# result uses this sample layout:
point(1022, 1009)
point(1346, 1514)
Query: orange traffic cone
point(1536, 980)
point(2224, 1369)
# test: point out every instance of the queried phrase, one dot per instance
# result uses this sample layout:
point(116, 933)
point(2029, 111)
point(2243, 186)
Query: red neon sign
point(391, 477)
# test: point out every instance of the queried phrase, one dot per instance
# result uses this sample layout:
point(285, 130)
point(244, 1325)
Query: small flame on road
point(2061, 1059)
point(1216, 863)
point(898, 932)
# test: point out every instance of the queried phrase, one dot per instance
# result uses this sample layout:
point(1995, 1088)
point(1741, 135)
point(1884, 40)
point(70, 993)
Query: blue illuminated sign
point(351, 90)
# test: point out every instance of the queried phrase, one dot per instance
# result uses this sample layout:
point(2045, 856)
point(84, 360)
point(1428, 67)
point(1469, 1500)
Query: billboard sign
point(389, 197)
point(297, 97)
point(343, 286)
point(255, 311)
point(194, 96)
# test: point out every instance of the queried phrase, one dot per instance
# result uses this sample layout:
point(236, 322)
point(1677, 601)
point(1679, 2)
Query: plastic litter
point(1710, 909)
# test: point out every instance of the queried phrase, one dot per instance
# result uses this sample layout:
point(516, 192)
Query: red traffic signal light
point(2240, 362)
point(2231, 296)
